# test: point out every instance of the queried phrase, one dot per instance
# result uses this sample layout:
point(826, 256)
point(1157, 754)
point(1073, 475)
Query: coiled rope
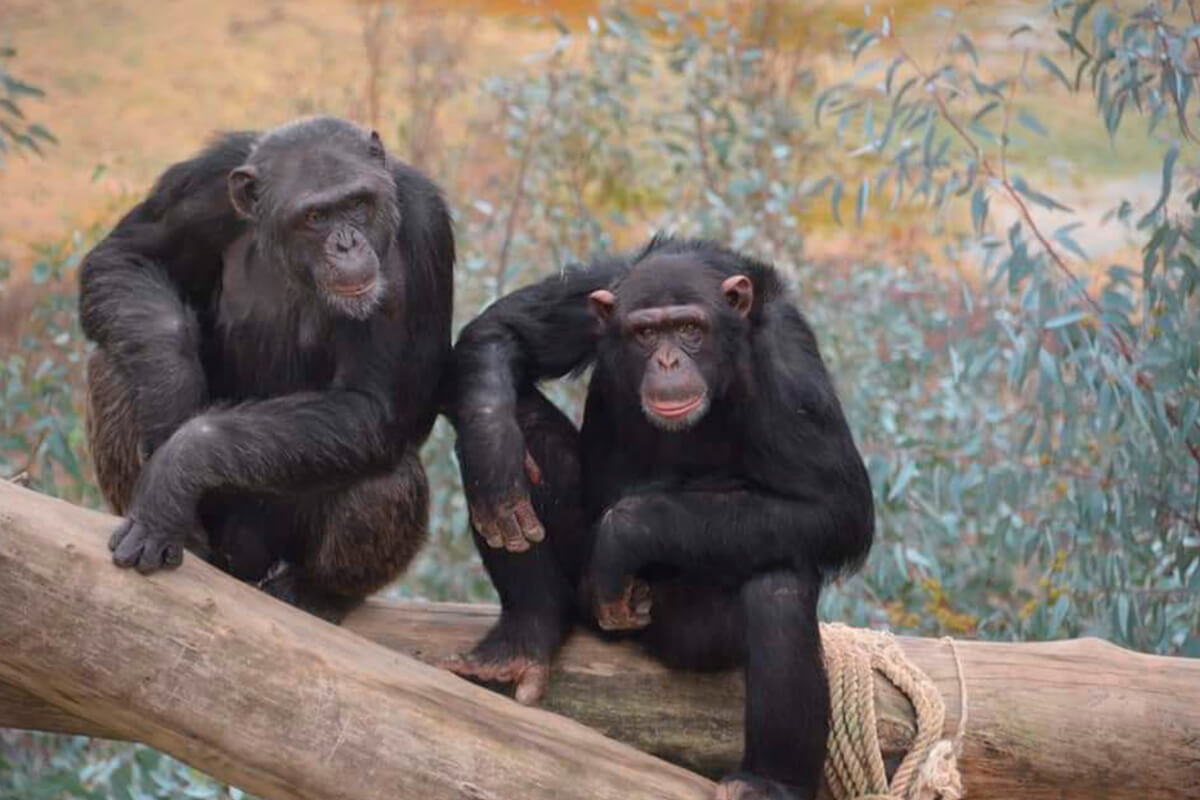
point(854, 767)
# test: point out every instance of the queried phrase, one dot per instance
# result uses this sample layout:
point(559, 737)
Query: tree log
point(87, 648)
point(266, 697)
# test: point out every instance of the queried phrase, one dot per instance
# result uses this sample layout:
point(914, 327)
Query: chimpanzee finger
point(129, 549)
point(487, 527)
point(172, 555)
point(532, 470)
point(531, 526)
point(640, 600)
point(153, 557)
point(492, 536)
point(514, 537)
point(119, 533)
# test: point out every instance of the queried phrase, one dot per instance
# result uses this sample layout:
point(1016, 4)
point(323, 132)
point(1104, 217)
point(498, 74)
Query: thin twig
point(710, 180)
point(1008, 107)
point(24, 475)
point(510, 225)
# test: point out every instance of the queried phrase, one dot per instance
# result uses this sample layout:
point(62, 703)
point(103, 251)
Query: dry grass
point(132, 86)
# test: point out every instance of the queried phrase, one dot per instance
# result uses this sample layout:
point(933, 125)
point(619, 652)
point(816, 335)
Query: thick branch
point(1072, 719)
point(266, 697)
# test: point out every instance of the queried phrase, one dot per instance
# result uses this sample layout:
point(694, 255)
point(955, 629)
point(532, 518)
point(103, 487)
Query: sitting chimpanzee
point(713, 488)
point(272, 323)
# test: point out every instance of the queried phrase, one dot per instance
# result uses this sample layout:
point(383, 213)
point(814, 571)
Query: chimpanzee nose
point(668, 359)
point(345, 240)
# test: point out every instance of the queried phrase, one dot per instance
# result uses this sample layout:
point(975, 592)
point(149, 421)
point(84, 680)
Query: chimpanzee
point(713, 488)
point(272, 324)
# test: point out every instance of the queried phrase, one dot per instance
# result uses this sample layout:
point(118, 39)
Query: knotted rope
point(854, 765)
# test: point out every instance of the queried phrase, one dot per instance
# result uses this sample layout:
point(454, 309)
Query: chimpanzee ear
point(243, 191)
point(376, 146)
point(601, 303)
point(739, 293)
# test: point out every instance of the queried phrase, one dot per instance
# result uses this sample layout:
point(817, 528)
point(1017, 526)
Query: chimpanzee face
point(672, 319)
point(324, 208)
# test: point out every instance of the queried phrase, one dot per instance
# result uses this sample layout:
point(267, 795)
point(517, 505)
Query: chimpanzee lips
point(356, 300)
point(676, 415)
point(673, 409)
point(354, 290)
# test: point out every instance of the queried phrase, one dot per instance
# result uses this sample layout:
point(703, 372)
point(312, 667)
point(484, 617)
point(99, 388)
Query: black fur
point(241, 402)
point(733, 523)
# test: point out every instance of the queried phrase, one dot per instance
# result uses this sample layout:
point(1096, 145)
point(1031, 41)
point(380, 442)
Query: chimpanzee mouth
point(355, 291)
point(359, 302)
point(676, 415)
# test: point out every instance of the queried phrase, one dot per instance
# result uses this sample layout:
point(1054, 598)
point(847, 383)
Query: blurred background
point(987, 210)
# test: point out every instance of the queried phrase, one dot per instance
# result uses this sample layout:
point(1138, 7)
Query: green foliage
point(1045, 458)
point(42, 438)
point(37, 766)
point(17, 132)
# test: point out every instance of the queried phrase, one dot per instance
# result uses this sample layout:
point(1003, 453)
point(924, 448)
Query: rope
point(854, 765)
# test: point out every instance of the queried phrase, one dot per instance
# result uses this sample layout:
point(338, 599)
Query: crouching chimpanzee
point(272, 323)
point(713, 488)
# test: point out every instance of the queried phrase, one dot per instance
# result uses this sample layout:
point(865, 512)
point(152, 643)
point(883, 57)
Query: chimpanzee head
point(323, 204)
point(673, 326)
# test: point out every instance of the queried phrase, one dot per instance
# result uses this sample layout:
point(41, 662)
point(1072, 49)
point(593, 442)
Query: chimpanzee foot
point(631, 610)
point(508, 655)
point(744, 786)
point(286, 583)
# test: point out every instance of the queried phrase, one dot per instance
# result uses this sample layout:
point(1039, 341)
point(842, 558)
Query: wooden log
point(1071, 719)
point(1079, 718)
point(266, 697)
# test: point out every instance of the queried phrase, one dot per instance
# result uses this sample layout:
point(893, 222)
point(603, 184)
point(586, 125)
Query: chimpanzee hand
point(622, 602)
point(161, 520)
point(512, 523)
point(146, 547)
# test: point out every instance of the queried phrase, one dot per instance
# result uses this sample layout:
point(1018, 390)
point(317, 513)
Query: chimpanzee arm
point(732, 535)
point(140, 286)
point(542, 331)
point(279, 445)
point(417, 348)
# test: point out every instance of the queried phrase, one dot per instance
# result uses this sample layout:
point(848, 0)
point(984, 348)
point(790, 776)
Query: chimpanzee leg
point(112, 432)
point(536, 587)
point(248, 535)
point(115, 437)
point(695, 624)
point(787, 694)
point(354, 541)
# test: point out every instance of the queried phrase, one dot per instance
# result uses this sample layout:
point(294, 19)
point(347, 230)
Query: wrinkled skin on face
point(326, 207)
point(673, 345)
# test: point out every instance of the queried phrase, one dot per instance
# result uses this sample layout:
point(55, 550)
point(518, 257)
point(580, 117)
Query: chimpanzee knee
point(360, 539)
point(556, 486)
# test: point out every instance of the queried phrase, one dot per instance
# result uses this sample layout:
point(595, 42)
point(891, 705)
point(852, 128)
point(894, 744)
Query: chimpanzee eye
point(646, 335)
point(315, 217)
point(690, 333)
